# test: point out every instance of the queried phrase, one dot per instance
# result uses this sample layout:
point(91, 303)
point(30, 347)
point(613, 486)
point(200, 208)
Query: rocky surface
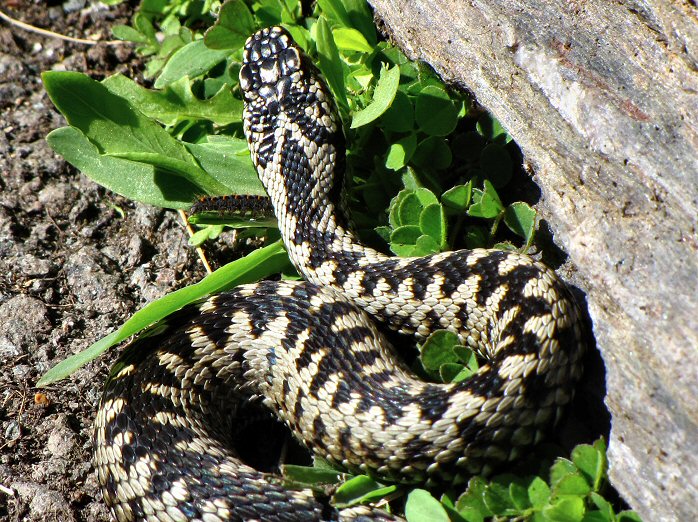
point(601, 97)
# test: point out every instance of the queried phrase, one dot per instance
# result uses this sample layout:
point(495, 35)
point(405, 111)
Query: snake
point(323, 354)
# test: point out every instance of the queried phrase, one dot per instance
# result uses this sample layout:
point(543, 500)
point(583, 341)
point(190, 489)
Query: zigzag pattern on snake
point(312, 351)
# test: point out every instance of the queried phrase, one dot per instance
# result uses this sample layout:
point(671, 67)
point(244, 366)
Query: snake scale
point(311, 351)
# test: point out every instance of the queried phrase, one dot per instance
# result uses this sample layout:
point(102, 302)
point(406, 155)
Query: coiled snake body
point(311, 353)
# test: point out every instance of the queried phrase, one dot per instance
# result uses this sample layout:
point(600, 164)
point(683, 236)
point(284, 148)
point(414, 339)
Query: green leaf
point(405, 235)
point(496, 164)
point(628, 516)
point(176, 167)
point(334, 10)
point(425, 245)
point(129, 34)
point(432, 221)
point(349, 39)
point(176, 102)
point(426, 196)
point(591, 463)
point(561, 469)
point(360, 489)
point(400, 152)
point(497, 499)
point(572, 485)
point(137, 181)
point(521, 219)
point(108, 120)
point(191, 60)
point(433, 153)
point(409, 208)
point(567, 509)
point(605, 508)
point(519, 495)
point(486, 203)
point(383, 97)
point(538, 493)
point(309, 476)
point(206, 233)
point(361, 18)
point(458, 197)
point(229, 164)
point(234, 26)
point(438, 349)
point(256, 265)
point(435, 113)
point(399, 117)
point(453, 372)
point(490, 128)
point(330, 63)
point(422, 507)
point(472, 500)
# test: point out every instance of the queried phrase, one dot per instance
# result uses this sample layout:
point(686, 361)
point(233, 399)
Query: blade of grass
point(256, 265)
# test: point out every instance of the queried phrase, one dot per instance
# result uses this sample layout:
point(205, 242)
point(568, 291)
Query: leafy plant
point(427, 173)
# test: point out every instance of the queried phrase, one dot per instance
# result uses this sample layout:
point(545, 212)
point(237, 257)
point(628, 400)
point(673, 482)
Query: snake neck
point(298, 147)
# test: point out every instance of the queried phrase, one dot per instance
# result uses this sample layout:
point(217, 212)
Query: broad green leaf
point(438, 349)
point(334, 10)
point(473, 498)
point(108, 120)
point(432, 221)
point(176, 102)
point(383, 97)
point(435, 113)
point(361, 18)
point(573, 484)
point(425, 245)
point(603, 505)
point(453, 372)
point(458, 197)
point(176, 167)
point(256, 265)
point(591, 463)
point(538, 493)
point(521, 219)
point(433, 153)
point(206, 233)
point(628, 516)
point(426, 196)
point(234, 26)
point(422, 507)
point(490, 128)
point(331, 63)
point(486, 203)
point(310, 476)
point(360, 489)
point(399, 117)
point(400, 152)
point(229, 165)
point(191, 60)
point(129, 34)
point(496, 164)
point(137, 181)
point(349, 39)
point(405, 235)
point(561, 469)
point(567, 509)
point(409, 208)
point(519, 495)
point(497, 499)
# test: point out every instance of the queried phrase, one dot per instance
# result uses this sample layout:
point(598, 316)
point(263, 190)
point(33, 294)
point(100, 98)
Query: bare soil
point(71, 267)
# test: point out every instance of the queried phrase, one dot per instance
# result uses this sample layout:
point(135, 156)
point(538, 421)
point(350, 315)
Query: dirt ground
point(72, 268)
